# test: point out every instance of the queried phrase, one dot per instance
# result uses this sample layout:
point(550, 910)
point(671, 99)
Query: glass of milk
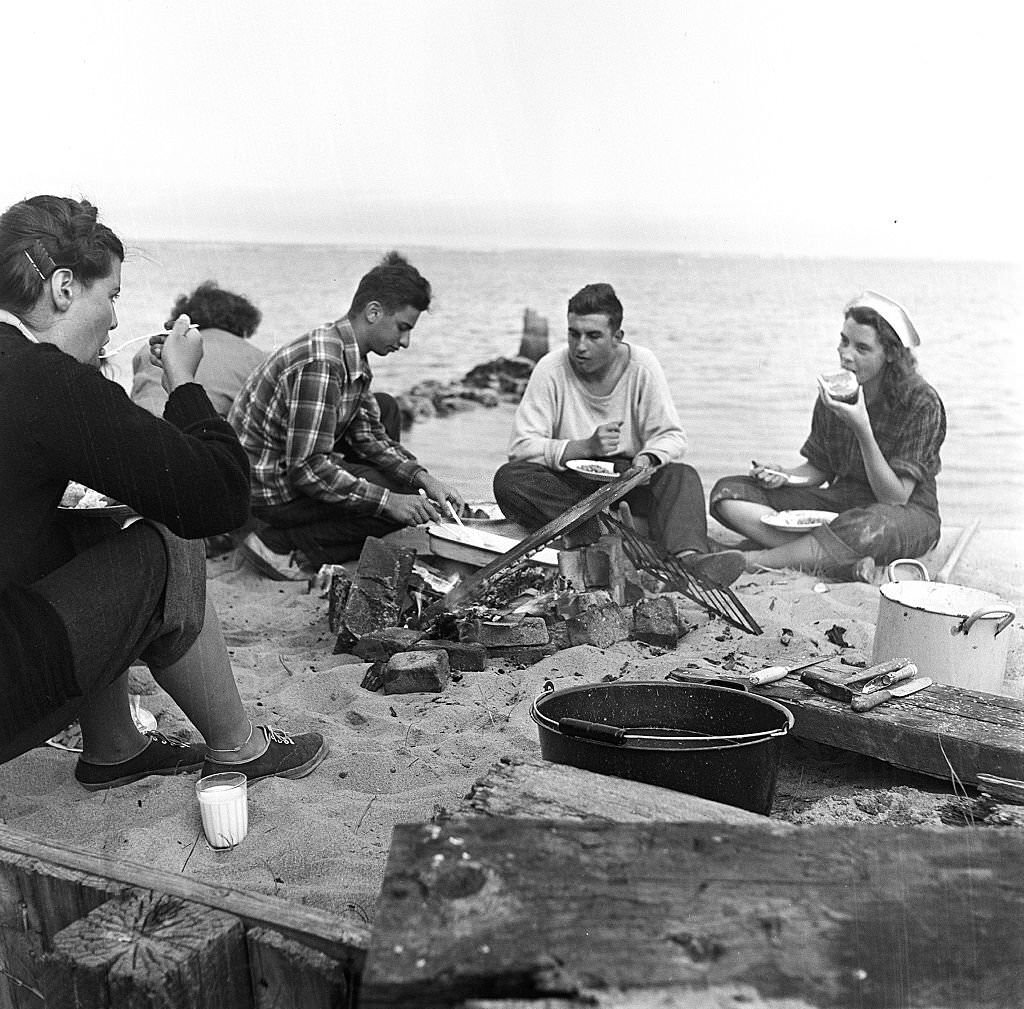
point(224, 808)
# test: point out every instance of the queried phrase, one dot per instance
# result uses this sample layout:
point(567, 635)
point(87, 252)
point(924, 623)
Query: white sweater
point(557, 408)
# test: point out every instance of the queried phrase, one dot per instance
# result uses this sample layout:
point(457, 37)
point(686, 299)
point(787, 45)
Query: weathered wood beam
point(495, 908)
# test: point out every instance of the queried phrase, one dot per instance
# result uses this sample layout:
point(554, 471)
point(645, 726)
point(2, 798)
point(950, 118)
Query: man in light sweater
point(603, 398)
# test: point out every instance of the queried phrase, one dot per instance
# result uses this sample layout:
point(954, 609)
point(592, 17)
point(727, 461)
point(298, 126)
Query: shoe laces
point(276, 735)
point(165, 740)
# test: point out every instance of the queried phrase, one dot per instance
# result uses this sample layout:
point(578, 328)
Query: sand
point(323, 840)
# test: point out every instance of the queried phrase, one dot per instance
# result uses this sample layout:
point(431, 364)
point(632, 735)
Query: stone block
point(520, 656)
point(655, 622)
point(528, 631)
point(463, 656)
point(379, 646)
point(599, 622)
point(375, 598)
point(417, 672)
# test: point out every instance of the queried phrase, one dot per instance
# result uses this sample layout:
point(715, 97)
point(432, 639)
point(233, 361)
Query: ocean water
point(741, 339)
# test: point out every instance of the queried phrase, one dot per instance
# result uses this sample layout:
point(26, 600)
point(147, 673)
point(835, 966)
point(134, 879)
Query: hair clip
point(44, 257)
point(28, 256)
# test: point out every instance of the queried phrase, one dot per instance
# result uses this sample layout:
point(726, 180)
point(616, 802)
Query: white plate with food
point(799, 520)
point(84, 501)
point(594, 469)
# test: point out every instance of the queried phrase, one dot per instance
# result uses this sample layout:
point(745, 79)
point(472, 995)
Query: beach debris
point(836, 635)
point(373, 679)
point(377, 593)
point(786, 637)
point(820, 587)
point(520, 656)
point(417, 672)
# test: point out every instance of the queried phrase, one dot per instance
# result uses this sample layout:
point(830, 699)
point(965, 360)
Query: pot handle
point(967, 623)
point(890, 571)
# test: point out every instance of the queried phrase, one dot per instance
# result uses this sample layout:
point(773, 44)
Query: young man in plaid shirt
point(327, 466)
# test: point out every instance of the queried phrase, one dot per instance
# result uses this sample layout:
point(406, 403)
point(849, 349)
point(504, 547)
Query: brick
point(528, 631)
point(519, 656)
point(417, 672)
point(600, 622)
point(463, 656)
point(379, 646)
point(655, 622)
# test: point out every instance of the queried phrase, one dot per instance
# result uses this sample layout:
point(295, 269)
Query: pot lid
point(948, 600)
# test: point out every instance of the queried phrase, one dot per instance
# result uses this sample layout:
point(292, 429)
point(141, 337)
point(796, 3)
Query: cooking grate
point(650, 557)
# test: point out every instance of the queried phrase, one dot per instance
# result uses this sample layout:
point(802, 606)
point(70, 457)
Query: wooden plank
point(315, 928)
point(836, 917)
point(288, 975)
point(539, 789)
point(939, 731)
point(149, 951)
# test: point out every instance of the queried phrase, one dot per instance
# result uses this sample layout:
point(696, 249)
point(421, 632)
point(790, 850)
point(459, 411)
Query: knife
point(865, 702)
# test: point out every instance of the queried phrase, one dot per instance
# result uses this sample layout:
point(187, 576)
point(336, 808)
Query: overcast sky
point(885, 129)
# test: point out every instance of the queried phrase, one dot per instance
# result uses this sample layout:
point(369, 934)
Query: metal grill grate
point(716, 599)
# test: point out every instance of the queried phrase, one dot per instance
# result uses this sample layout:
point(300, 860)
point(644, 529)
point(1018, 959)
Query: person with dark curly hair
point(226, 321)
point(84, 596)
point(873, 460)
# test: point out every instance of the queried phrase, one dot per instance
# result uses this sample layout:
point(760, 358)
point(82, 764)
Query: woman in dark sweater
point(81, 598)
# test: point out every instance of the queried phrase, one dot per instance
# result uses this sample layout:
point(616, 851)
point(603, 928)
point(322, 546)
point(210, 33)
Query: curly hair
point(900, 363)
point(394, 282)
point(43, 234)
point(211, 307)
point(598, 299)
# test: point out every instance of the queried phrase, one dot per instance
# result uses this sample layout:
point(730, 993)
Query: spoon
point(127, 343)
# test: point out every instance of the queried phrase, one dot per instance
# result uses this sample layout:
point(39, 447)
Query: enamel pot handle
point(967, 623)
point(890, 571)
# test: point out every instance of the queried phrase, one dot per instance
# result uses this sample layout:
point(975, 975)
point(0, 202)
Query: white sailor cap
point(893, 313)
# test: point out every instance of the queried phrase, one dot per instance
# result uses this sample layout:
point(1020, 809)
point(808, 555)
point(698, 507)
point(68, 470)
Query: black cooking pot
point(716, 742)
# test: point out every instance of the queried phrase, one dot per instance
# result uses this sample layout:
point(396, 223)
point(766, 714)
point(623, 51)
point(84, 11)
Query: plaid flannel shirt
point(909, 436)
point(305, 404)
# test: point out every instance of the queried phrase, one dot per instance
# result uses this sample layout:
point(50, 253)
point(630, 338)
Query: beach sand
point(323, 840)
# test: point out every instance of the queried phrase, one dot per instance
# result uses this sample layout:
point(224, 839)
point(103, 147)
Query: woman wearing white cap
point(873, 460)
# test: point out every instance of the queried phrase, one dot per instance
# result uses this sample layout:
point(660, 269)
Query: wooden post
point(149, 950)
point(534, 343)
point(288, 975)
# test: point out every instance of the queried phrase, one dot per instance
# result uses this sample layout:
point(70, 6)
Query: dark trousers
point(116, 606)
point(673, 502)
point(326, 532)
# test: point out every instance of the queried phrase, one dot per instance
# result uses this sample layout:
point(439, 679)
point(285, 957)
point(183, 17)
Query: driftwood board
point(539, 789)
point(829, 917)
point(937, 731)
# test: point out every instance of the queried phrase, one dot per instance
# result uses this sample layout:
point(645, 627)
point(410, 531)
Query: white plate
point(798, 520)
point(594, 469)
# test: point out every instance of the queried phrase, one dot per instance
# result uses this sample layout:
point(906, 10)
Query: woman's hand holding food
point(854, 414)
point(178, 353)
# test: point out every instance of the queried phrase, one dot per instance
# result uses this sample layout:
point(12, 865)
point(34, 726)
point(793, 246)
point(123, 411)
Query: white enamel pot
point(954, 634)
